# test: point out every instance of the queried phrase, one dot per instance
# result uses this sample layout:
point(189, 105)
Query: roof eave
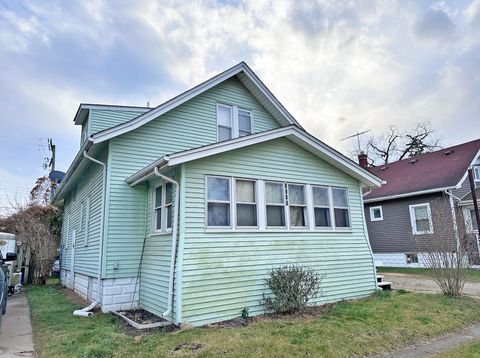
point(406, 195)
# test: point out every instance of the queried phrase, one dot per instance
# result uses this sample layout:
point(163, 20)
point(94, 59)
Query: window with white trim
point(476, 173)
point(232, 122)
point(218, 202)
point(411, 258)
point(275, 204)
point(321, 207)
point(246, 203)
point(297, 205)
point(470, 219)
point(421, 219)
point(376, 213)
point(341, 210)
point(163, 207)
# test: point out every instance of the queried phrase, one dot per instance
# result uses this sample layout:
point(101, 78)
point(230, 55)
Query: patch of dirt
point(141, 316)
point(73, 297)
point(188, 347)
point(231, 323)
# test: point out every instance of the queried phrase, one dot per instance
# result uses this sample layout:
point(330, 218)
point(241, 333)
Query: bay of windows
point(234, 203)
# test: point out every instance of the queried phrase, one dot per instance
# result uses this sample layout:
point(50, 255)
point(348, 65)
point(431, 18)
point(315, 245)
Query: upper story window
point(232, 122)
point(421, 219)
point(476, 173)
point(163, 207)
point(376, 213)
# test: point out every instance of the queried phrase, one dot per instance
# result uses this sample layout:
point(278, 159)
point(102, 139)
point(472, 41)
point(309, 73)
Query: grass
point(473, 275)
point(467, 350)
point(385, 321)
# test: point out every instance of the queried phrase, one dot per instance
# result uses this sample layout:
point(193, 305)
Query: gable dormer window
point(232, 122)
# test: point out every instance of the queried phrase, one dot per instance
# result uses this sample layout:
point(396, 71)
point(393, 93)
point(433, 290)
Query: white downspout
point(174, 240)
point(102, 209)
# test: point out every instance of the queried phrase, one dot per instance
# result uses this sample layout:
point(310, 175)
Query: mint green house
point(183, 209)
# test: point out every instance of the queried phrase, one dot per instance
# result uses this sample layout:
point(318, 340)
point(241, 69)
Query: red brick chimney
point(363, 160)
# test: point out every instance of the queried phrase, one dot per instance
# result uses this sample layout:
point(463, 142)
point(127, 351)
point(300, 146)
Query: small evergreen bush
point(293, 287)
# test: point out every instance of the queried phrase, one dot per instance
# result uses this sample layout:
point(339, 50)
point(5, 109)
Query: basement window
point(376, 213)
point(411, 258)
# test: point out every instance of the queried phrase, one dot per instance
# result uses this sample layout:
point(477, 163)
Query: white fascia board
point(186, 96)
point(316, 147)
point(406, 195)
point(475, 158)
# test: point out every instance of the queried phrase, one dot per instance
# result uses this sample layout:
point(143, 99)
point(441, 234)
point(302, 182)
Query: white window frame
point(86, 228)
point(413, 258)
point(305, 206)
point(467, 218)
point(372, 216)
point(234, 119)
point(231, 202)
point(347, 194)
point(255, 190)
point(329, 207)
point(413, 221)
point(476, 173)
point(163, 207)
point(284, 205)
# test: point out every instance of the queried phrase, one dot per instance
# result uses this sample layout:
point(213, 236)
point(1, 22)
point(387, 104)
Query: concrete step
point(384, 285)
point(380, 278)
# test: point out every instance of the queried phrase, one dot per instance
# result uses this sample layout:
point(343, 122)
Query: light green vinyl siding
point(101, 119)
point(190, 125)
point(86, 256)
point(223, 272)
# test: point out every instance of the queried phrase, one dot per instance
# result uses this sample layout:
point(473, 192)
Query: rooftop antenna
point(148, 104)
point(358, 134)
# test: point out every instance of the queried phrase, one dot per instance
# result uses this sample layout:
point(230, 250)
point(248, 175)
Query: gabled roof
point(293, 133)
point(426, 173)
point(241, 71)
point(83, 108)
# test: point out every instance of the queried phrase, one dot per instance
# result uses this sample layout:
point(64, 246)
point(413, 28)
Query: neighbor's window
point(297, 205)
point(275, 204)
point(340, 208)
point(476, 173)
point(218, 202)
point(321, 206)
point(421, 219)
point(473, 225)
point(411, 258)
point(232, 122)
point(163, 207)
point(246, 203)
point(376, 213)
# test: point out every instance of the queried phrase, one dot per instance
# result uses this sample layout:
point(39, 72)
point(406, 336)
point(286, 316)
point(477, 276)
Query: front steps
point(384, 285)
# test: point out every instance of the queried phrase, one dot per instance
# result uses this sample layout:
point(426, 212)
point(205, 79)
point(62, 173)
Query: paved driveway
point(424, 283)
point(16, 331)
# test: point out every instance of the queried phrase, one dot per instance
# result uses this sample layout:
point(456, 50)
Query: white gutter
point(102, 221)
point(174, 239)
point(406, 195)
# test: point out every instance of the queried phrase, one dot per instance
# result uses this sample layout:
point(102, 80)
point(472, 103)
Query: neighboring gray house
point(425, 197)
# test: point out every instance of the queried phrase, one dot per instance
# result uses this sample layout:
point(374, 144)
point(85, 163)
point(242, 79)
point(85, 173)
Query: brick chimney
point(363, 160)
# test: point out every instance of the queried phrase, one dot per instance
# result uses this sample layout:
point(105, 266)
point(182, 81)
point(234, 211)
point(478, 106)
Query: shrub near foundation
point(293, 288)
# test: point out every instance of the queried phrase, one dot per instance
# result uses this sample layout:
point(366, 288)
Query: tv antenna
point(358, 134)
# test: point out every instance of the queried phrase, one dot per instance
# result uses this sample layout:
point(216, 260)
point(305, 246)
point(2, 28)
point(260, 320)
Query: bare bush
point(293, 287)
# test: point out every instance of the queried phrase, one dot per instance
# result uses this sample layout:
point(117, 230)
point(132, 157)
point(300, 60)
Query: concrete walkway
point(16, 332)
point(441, 344)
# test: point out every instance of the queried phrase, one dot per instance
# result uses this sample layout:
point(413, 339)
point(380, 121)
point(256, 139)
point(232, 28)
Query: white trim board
point(247, 75)
point(293, 133)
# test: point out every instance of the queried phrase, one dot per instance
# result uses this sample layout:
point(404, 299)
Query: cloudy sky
point(337, 66)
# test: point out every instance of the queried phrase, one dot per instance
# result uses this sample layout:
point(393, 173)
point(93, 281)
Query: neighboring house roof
point(244, 74)
point(293, 133)
point(425, 173)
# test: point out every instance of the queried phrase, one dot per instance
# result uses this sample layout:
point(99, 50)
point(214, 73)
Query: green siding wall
point(190, 125)
point(86, 256)
point(224, 272)
point(101, 119)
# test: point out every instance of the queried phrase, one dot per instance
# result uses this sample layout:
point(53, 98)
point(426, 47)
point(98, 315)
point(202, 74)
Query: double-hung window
point(476, 173)
point(163, 207)
point(321, 207)
point(246, 203)
point(421, 219)
point(340, 208)
point(232, 122)
point(218, 202)
point(275, 204)
point(297, 205)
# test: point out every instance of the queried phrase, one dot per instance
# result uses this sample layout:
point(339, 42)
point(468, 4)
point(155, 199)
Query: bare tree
point(447, 252)
point(396, 145)
point(41, 192)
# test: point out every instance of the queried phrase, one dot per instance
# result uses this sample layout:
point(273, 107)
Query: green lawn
point(474, 274)
point(384, 321)
point(467, 350)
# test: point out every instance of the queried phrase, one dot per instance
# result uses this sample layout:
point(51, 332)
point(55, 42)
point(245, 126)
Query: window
point(85, 220)
point(376, 213)
point(218, 202)
point(421, 219)
point(321, 206)
point(163, 207)
point(340, 208)
point(275, 204)
point(224, 122)
point(411, 258)
point(476, 173)
point(297, 205)
point(246, 207)
point(232, 122)
point(470, 219)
